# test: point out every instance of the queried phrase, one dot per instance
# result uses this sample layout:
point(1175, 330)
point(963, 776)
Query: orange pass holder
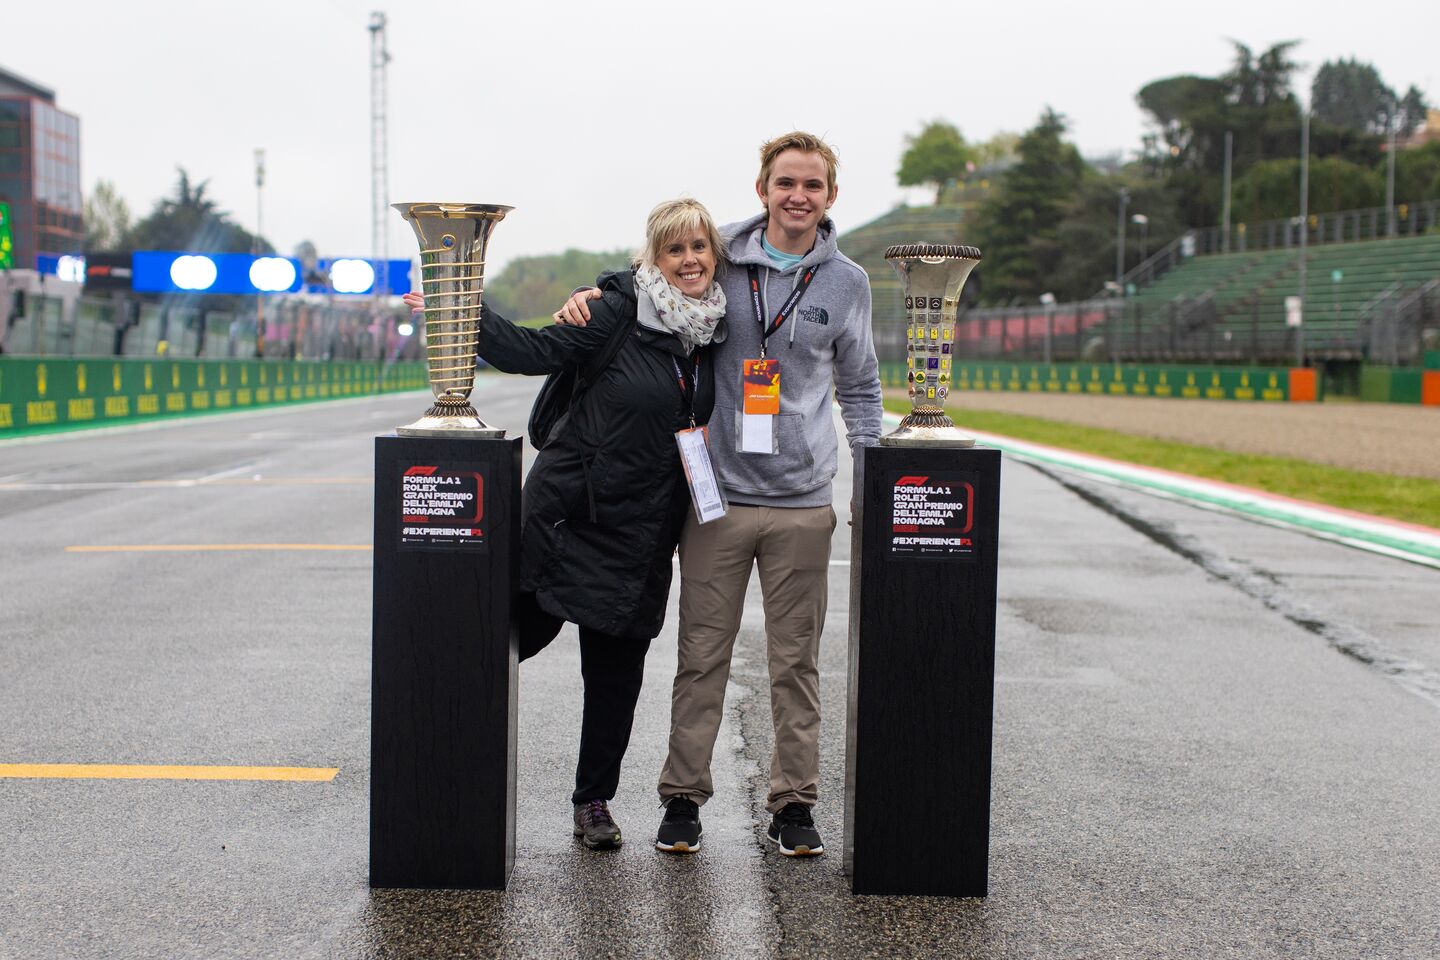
point(760, 387)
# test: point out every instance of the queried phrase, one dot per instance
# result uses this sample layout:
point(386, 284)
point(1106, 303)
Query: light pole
point(1048, 299)
point(1304, 229)
point(255, 249)
point(1391, 227)
point(1144, 223)
point(1225, 214)
point(1120, 240)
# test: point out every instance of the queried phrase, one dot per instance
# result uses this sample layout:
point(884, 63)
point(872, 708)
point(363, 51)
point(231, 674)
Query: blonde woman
point(605, 501)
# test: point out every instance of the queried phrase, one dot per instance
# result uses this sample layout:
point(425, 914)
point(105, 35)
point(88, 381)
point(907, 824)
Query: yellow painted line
point(105, 771)
point(210, 547)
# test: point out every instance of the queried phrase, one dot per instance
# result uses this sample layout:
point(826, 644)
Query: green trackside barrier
point(45, 394)
point(1375, 383)
point(1391, 384)
point(1274, 384)
point(1432, 360)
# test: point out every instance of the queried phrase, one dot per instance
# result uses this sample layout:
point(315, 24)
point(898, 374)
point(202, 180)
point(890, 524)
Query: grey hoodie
point(825, 349)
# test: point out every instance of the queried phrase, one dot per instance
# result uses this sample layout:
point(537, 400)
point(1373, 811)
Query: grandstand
point(1232, 306)
point(1368, 297)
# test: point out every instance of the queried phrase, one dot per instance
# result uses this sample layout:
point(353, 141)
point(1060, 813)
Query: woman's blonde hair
point(674, 219)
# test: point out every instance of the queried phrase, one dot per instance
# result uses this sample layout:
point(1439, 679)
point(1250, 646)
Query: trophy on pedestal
point(443, 692)
point(931, 275)
point(452, 277)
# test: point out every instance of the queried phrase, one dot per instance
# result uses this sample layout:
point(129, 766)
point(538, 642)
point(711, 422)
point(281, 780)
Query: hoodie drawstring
point(765, 299)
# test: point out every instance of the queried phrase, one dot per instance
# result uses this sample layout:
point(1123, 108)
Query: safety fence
point(45, 394)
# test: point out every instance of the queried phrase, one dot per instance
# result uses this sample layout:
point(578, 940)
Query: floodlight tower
point(379, 144)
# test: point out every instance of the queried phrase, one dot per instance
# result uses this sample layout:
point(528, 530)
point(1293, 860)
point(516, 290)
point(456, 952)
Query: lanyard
point(788, 307)
point(688, 395)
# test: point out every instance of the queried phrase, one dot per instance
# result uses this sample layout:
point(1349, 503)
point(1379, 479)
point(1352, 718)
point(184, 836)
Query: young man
point(793, 298)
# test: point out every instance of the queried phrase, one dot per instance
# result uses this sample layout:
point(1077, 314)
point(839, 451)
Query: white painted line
point(243, 468)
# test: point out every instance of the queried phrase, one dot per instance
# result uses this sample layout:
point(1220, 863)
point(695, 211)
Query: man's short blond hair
point(674, 220)
point(795, 140)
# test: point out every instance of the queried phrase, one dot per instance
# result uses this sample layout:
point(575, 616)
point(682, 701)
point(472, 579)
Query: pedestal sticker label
point(932, 517)
point(442, 507)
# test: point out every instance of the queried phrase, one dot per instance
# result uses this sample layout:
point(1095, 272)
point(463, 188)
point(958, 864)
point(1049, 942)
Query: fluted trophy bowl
point(932, 275)
point(452, 240)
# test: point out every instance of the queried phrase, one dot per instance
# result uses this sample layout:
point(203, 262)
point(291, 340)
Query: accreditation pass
point(705, 490)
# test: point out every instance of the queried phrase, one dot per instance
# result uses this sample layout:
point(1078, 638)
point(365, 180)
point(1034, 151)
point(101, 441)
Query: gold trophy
point(452, 277)
point(931, 275)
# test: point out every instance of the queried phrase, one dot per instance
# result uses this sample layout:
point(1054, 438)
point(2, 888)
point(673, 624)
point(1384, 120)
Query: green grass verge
point(1412, 499)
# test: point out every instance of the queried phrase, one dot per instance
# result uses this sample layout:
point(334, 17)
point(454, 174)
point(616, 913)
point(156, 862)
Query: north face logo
point(815, 315)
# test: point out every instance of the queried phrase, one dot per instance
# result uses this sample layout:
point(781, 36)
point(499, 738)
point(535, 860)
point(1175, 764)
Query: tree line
point(1046, 219)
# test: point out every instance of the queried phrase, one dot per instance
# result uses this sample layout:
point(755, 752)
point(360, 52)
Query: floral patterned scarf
point(664, 308)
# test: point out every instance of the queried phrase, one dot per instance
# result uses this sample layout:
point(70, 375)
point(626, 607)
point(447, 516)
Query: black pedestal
point(922, 672)
point(442, 723)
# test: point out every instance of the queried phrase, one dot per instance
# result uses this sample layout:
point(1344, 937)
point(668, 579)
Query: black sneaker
point(595, 827)
point(680, 828)
point(794, 830)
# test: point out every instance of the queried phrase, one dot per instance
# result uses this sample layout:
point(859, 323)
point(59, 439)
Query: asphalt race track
point(1212, 738)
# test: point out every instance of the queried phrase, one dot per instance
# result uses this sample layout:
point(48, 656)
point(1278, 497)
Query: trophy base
point(457, 428)
point(927, 427)
point(453, 420)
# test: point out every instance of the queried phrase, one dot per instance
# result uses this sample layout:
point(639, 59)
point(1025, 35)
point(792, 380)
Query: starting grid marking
point(104, 771)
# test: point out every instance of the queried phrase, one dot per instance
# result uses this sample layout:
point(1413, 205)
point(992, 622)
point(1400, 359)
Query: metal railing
point(1394, 330)
point(1345, 226)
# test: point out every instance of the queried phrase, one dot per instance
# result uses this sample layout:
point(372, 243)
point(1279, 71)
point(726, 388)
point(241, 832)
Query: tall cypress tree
point(1017, 226)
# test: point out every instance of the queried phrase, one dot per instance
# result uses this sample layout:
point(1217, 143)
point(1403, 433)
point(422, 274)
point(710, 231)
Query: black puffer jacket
point(606, 565)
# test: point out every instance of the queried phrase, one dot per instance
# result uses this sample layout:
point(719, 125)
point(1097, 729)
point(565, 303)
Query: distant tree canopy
point(1270, 190)
point(1263, 80)
point(190, 220)
point(1190, 116)
point(531, 287)
point(1417, 173)
point(1017, 225)
point(999, 151)
point(1089, 234)
point(107, 219)
point(937, 156)
point(1051, 222)
point(1350, 94)
point(1046, 221)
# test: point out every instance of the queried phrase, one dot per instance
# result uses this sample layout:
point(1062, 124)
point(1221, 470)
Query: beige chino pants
point(791, 547)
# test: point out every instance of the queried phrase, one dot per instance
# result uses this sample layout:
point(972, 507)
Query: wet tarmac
point(1212, 738)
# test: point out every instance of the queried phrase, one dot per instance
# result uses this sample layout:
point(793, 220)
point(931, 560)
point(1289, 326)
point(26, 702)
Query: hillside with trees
point(530, 287)
point(1047, 220)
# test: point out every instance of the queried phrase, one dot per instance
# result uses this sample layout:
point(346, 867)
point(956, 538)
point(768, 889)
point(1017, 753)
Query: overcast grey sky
point(583, 116)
